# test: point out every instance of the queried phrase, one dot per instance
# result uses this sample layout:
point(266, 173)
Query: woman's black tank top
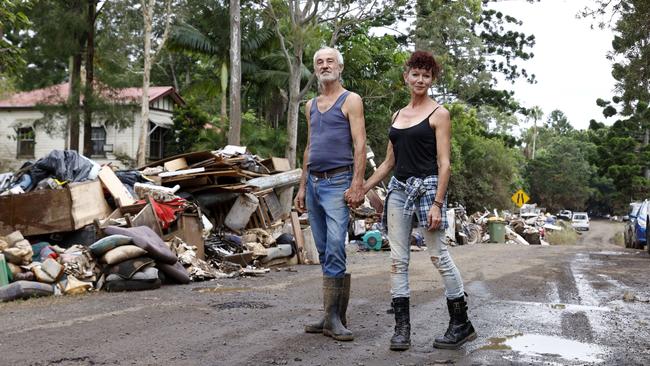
point(414, 149)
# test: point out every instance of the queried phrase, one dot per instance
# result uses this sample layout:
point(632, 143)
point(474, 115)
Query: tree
point(11, 16)
point(536, 113)
point(560, 176)
point(235, 74)
point(149, 58)
point(558, 122)
point(295, 21)
point(472, 44)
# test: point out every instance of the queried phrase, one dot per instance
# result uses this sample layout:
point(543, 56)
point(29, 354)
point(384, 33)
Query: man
point(334, 162)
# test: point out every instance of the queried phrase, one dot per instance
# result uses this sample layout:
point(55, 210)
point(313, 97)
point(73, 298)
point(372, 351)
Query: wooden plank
point(181, 172)
point(191, 158)
point(273, 204)
point(191, 231)
point(88, 203)
point(115, 187)
point(147, 217)
point(311, 252)
point(297, 234)
point(176, 164)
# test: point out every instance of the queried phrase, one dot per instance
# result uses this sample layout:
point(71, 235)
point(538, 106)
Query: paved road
point(560, 305)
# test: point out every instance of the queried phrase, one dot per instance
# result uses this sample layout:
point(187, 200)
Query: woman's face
point(418, 80)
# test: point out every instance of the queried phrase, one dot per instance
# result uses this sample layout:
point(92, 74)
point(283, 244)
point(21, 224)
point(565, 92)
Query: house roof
point(58, 94)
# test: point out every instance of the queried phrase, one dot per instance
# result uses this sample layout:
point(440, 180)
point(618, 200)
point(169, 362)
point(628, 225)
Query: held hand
point(354, 196)
point(434, 218)
point(299, 201)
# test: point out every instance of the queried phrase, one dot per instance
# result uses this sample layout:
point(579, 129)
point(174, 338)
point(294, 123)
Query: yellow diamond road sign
point(519, 198)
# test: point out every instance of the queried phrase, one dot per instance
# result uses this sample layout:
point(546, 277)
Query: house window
point(159, 141)
point(98, 137)
point(25, 137)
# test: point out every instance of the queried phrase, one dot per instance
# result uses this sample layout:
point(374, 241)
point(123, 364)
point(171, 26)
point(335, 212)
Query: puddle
point(220, 289)
point(549, 346)
point(560, 306)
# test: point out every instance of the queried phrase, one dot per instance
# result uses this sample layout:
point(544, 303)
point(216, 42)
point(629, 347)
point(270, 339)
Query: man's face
point(327, 66)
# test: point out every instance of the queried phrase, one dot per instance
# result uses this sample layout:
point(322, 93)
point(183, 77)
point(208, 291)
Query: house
point(24, 135)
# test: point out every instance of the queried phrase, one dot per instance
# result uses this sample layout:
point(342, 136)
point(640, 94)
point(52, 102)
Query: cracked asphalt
point(561, 305)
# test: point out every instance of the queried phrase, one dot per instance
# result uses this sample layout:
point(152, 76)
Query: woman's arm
point(442, 124)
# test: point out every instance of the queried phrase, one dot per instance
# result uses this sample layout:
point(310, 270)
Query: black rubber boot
point(401, 340)
point(460, 330)
point(343, 308)
point(332, 327)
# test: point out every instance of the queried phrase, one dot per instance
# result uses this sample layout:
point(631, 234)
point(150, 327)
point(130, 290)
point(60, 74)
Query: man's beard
point(332, 76)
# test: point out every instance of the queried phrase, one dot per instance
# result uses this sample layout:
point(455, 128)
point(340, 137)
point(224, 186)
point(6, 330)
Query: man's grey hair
point(339, 56)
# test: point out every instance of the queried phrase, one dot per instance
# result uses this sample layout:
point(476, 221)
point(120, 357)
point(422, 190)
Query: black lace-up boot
point(401, 340)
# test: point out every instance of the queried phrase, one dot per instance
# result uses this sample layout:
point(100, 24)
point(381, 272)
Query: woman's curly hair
point(423, 60)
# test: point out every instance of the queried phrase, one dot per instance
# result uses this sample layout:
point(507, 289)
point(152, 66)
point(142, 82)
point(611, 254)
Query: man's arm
point(354, 106)
point(299, 201)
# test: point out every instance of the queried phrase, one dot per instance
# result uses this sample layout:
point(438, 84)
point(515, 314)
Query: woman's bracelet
point(437, 204)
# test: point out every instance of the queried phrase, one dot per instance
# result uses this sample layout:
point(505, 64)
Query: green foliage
point(485, 172)
point(473, 44)
point(559, 177)
point(189, 122)
point(11, 16)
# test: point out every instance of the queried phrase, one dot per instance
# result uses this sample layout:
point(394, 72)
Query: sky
point(570, 59)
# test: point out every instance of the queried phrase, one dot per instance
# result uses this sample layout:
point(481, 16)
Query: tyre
point(626, 239)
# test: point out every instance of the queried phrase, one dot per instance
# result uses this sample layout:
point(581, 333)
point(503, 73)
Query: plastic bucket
point(241, 211)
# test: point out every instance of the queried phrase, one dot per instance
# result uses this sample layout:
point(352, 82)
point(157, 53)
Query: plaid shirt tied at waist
point(420, 195)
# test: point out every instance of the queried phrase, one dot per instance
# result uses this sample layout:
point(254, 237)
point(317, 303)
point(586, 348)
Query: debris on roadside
point(71, 226)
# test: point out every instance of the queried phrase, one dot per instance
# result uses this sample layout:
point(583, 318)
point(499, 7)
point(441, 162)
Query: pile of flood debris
point(69, 225)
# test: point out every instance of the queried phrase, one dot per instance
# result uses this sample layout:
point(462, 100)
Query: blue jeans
point(399, 233)
point(329, 217)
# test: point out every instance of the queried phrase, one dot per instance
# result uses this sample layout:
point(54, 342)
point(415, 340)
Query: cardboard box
point(53, 210)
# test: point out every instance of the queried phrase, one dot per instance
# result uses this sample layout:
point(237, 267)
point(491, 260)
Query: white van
point(580, 221)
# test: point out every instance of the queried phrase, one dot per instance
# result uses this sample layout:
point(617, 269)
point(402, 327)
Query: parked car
point(628, 232)
point(580, 221)
point(638, 237)
point(565, 215)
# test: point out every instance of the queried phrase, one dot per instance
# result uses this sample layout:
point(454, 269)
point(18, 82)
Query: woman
point(418, 149)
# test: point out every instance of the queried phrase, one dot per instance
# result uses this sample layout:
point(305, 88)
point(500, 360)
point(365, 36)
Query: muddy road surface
point(559, 305)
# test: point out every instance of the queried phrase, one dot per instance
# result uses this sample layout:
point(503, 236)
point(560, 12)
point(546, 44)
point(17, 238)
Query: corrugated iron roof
point(58, 94)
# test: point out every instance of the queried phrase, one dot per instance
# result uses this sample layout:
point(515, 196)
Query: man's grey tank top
point(330, 137)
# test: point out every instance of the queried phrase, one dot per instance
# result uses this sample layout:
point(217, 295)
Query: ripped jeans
point(399, 233)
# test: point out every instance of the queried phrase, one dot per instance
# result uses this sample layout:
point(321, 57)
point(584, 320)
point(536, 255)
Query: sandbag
point(14, 238)
point(146, 274)
point(148, 240)
point(3, 245)
point(122, 253)
point(175, 272)
point(20, 254)
point(103, 245)
point(25, 290)
point(75, 287)
point(128, 268)
point(132, 285)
